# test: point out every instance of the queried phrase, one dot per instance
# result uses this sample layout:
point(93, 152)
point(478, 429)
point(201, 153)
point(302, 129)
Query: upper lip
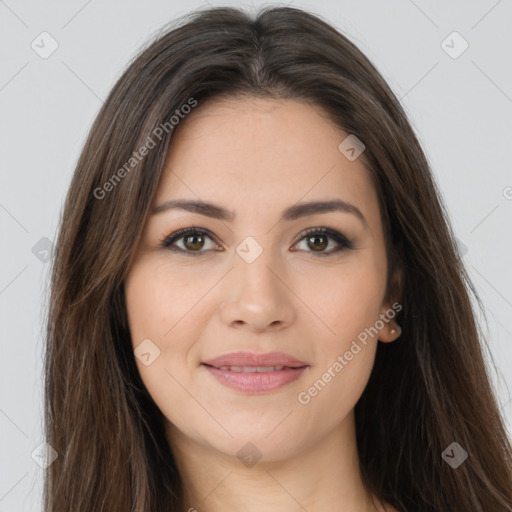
point(251, 359)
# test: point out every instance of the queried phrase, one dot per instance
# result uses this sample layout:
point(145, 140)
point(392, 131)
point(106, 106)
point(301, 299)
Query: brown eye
point(194, 242)
point(318, 239)
point(190, 241)
point(318, 242)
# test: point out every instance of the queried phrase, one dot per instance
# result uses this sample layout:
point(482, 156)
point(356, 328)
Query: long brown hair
point(427, 390)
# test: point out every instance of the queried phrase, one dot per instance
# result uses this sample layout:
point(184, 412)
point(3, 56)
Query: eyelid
point(167, 241)
point(343, 242)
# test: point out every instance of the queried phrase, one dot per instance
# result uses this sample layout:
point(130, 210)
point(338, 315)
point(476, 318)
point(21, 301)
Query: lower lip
point(254, 382)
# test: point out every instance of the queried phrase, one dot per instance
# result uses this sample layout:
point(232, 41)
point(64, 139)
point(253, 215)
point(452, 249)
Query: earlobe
point(396, 332)
point(387, 335)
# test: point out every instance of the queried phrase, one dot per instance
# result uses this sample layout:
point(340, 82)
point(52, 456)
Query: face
point(259, 273)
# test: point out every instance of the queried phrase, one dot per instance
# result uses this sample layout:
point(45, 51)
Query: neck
point(325, 476)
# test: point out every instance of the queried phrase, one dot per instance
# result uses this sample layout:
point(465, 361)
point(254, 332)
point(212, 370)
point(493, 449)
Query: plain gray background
point(459, 105)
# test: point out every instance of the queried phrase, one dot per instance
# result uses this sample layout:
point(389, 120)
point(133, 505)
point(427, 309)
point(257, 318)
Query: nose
point(257, 295)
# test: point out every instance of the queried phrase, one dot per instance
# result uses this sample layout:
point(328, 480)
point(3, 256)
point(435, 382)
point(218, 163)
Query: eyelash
point(340, 239)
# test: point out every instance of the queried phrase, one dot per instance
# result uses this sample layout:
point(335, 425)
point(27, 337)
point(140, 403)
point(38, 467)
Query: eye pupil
point(192, 241)
point(315, 238)
point(193, 244)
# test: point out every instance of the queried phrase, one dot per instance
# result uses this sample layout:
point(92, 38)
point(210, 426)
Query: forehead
point(253, 154)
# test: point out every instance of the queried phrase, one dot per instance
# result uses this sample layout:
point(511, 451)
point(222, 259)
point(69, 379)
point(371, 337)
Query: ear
point(391, 330)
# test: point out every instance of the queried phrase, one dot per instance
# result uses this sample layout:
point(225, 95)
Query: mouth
point(251, 360)
point(252, 373)
point(254, 369)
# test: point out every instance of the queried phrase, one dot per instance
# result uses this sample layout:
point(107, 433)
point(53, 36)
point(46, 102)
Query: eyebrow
point(293, 212)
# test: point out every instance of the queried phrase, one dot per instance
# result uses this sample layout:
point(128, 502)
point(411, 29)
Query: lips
point(242, 360)
point(255, 373)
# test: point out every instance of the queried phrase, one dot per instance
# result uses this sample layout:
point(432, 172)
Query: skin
point(258, 157)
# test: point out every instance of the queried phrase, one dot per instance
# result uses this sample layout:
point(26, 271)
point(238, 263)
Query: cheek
point(161, 300)
point(169, 307)
point(346, 299)
point(348, 302)
point(160, 307)
point(333, 388)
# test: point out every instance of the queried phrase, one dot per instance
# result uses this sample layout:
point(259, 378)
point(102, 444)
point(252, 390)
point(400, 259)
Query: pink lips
point(244, 377)
point(250, 359)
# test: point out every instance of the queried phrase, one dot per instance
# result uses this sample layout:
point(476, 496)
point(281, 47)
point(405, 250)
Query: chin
point(253, 449)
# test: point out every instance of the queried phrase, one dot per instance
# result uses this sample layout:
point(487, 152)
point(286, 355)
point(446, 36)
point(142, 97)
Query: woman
point(257, 301)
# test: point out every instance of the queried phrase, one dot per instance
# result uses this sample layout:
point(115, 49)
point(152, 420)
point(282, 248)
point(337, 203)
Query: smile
point(255, 379)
